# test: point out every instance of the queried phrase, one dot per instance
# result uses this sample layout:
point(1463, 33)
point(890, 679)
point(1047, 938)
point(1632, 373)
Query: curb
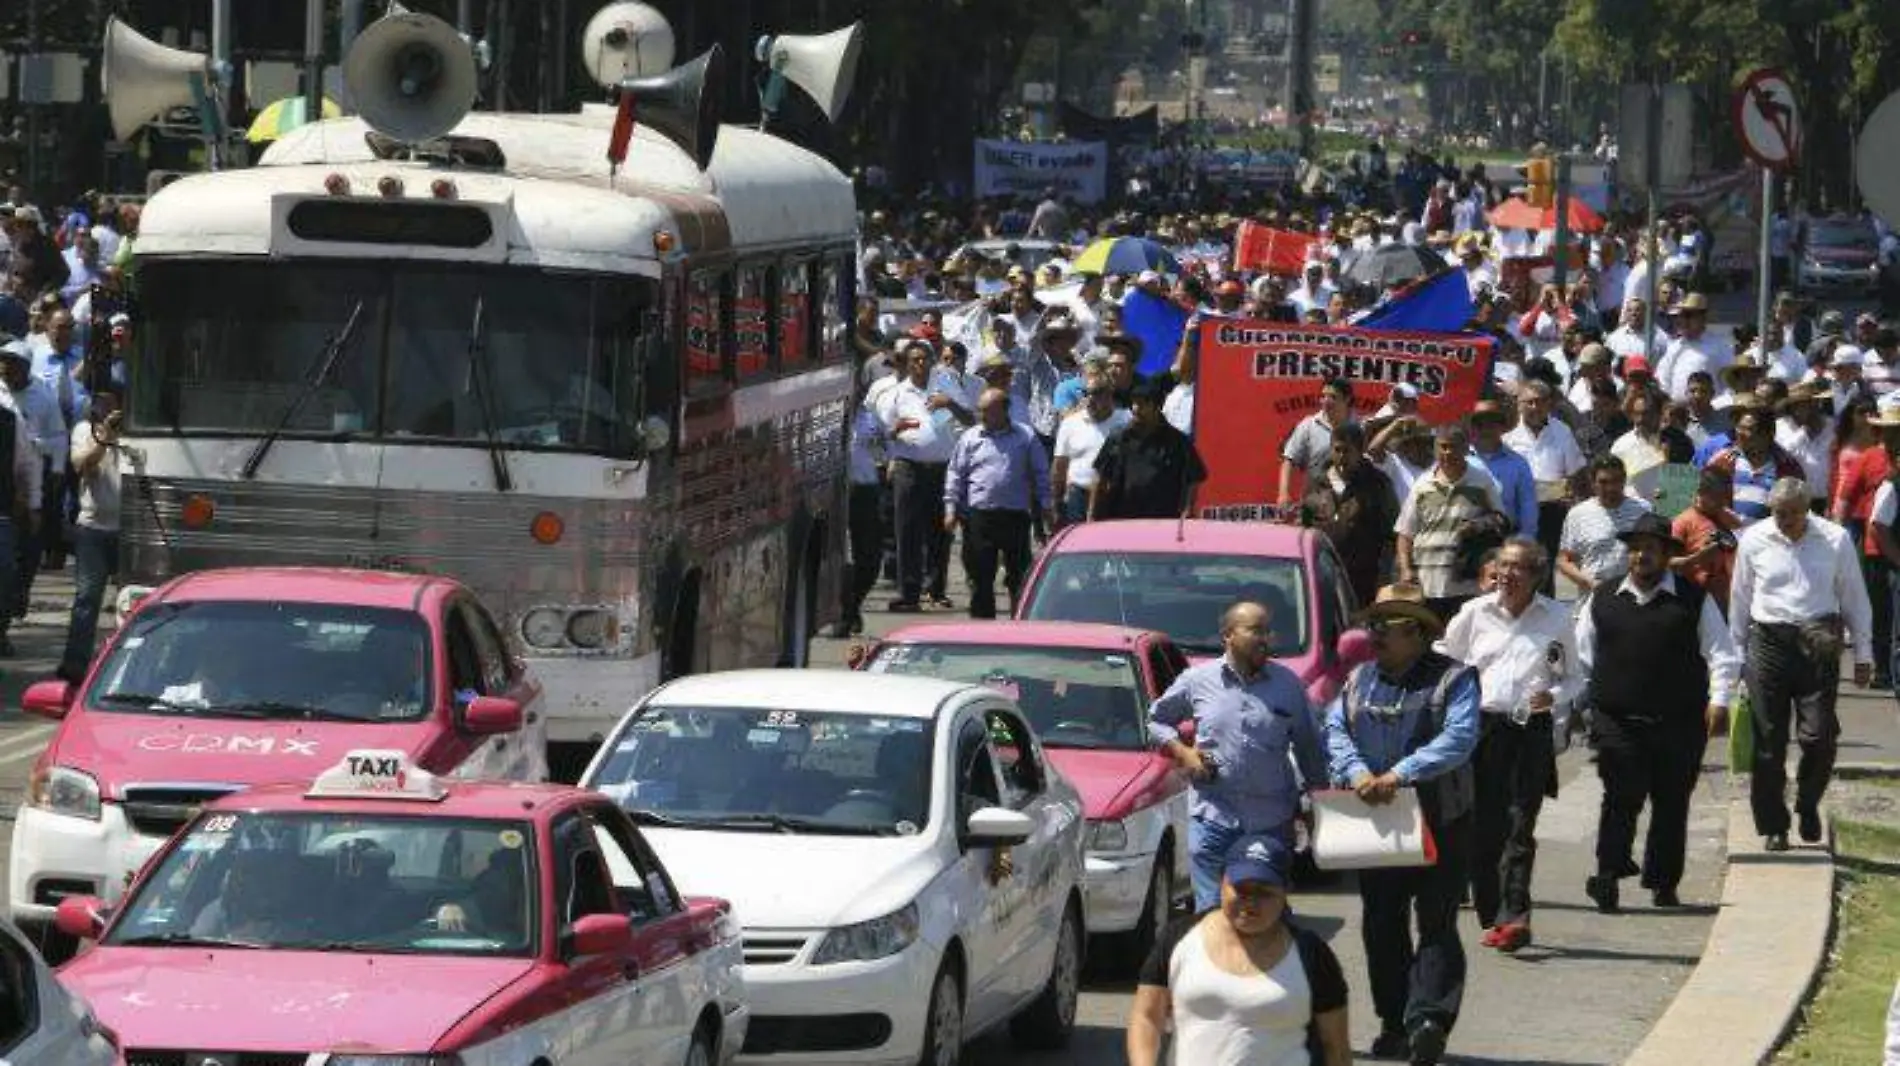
point(1765, 952)
point(1861, 771)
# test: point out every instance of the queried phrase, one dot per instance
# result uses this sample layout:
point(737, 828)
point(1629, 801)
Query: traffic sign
point(1767, 119)
point(1878, 164)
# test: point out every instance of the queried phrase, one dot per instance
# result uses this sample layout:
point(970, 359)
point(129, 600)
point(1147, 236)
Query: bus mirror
point(655, 434)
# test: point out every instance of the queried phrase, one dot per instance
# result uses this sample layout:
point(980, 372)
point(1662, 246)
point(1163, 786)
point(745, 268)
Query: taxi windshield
point(279, 660)
point(1074, 697)
point(330, 882)
point(764, 769)
point(1180, 595)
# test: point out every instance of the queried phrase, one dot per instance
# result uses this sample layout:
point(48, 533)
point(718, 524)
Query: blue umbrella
point(1125, 255)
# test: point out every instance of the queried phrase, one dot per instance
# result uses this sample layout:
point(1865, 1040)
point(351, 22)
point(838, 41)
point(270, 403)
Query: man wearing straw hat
point(1664, 666)
point(1409, 719)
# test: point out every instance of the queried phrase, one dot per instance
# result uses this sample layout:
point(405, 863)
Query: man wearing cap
point(1252, 727)
point(1593, 365)
point(1409, 719)
point(1517, 486)
point(1844, 380)
point(1694, 349)
point(1833, 328)
point(1522, 645)
point(1402, 402)
point(1797, 601)
point(1663, 666)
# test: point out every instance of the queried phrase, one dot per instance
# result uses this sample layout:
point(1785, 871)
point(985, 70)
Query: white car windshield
point(1073, 697)
point(280, 660)
point(772, 770)
point(332, 882)
point(1180, 595)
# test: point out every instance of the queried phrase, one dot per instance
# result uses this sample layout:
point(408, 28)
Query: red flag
point(1273, 251)
point(623, 131)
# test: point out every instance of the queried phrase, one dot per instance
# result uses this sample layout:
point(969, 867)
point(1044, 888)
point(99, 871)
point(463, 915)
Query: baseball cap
point(1258, 859)
point(121, 320)
point(1848, 355)
point(15, 349)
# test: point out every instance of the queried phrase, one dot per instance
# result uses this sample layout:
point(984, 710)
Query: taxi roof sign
point(377, 774)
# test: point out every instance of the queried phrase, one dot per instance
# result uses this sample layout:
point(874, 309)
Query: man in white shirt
point(1693, 350)
point(919, 458)
point(1524, 648)
point(1079, 439)
point(95, 464)
point(1805, 432)
point(1313, 292)
point(1668, 668)
point(1611, 275)
point(1627, 338)
point(1796, 598)
point(1479, 275)
point(1555, 457)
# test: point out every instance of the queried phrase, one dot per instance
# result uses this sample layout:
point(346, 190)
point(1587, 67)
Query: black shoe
point(1603, 891)
point(1810, 826)
point(1666, 897)
point(1428, 1042)
point(903, 607)
point(1391, 1045)
point(1629, 869)
point(1775, 842)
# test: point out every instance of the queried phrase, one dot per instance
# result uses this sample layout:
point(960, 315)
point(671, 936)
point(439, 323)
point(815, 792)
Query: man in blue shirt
point(1249, 714)
point(1409, 719)
point(997, 486)
point(1517, 486)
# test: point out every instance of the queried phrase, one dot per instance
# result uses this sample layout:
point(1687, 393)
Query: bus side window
point(751, 326)
point(794, 313)
point(705, 333)
point(837, 322)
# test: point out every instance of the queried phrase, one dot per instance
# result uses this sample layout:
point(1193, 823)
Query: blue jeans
point(95, 561)
point(1208, 844)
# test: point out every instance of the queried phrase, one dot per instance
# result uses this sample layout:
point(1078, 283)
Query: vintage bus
point(611, 403)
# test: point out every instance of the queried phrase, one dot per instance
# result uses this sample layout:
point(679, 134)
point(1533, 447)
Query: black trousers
point(1514, 765)
point(54, 486)
point(1650, 762)
point(1874, 570)
point(1415, 980)
point(1550, 533)
point(1787, 688)
point(1446, 606)
point(989, 537)
point(865, 527)
point(917, 498)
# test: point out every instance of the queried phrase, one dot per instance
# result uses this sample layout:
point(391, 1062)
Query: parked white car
point(40, 1021)
point(905, 863)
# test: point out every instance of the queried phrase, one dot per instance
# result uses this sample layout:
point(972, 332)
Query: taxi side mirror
point(998, 827)
point(80, 917)
point(1355, 646)
point(600, 934)
point(48, 699)
point(487, 716)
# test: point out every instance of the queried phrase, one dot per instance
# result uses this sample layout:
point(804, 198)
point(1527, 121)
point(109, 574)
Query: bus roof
point(563, 208)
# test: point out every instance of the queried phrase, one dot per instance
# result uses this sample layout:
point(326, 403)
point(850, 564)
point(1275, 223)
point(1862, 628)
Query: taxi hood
point(121, 749)
point(294, 1001)
point(1114, 784)
point(798, 880)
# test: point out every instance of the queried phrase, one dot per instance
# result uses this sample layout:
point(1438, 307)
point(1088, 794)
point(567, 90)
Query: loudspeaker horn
point(821, 64)
point(678, 106)
point(410, 76)
point(626, 40)
point(142, 79)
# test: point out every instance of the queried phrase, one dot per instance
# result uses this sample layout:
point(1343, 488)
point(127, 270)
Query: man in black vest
point(1409, 719)
point(1664, 664)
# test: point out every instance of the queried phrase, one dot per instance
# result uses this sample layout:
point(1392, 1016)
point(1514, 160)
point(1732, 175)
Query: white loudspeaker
point(410, 76)
point(626, 40)
point(821, 64)
point(142, 79)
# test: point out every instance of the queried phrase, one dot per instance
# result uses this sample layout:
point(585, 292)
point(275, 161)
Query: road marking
point(25, 744)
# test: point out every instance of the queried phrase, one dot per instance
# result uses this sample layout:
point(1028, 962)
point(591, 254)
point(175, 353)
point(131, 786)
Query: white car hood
point(798, 880)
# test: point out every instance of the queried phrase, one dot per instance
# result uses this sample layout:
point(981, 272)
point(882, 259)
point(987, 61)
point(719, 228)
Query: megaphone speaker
point(626, 40)
point(678, 106)
point(410, 76)
point(822, 64)
point(142, 79)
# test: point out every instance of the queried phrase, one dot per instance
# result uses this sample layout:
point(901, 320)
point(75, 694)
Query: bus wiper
point(332, 354)
point(478, 378)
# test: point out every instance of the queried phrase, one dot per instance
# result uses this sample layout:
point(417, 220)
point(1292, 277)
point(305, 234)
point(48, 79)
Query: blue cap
point(1262, 859)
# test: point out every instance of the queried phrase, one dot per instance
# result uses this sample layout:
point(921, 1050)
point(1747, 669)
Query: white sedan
point(904, 861)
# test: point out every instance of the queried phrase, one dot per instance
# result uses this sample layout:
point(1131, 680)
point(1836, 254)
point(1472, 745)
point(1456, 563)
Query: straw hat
point(1403, 600)
point(1887, 414)
point(1743, 365)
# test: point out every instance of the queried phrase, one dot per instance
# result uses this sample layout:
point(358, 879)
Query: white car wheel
point(1047, 1023)
point(943, 1033)
point(700, 1054)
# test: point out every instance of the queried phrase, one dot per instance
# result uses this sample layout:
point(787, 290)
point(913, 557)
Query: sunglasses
point(1392, 625)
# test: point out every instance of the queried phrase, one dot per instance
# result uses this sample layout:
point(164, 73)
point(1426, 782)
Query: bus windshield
point(229, 346)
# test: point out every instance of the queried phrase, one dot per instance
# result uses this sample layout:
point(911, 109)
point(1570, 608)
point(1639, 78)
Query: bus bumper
point(585, 697)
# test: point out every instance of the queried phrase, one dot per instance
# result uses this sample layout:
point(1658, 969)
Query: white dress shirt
point(39, 409)
point(1712, 635)
point(1685, 357)
point(922, 443)
point(1813, 449)
point(1552, 452)
point(26, 458)
point(1786, 582)
point(1514, 656)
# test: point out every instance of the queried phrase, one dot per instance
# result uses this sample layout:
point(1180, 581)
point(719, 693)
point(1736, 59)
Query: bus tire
point(682, 635)
point(801, 610)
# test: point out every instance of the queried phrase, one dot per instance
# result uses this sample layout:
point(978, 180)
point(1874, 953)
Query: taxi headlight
point(591, 629)
point(1109, 835)
point(544, 627)
point(875, 939)
point(63, 790)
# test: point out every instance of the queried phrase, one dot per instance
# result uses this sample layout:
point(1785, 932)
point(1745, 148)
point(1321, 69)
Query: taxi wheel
point(943, 1032)
point(1047, 1023)
point(1155, 910)
point(701, 1053)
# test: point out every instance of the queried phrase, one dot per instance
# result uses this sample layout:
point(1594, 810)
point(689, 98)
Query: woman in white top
point(1241, 985)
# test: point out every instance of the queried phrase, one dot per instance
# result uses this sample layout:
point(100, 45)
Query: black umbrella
point(1394, 264)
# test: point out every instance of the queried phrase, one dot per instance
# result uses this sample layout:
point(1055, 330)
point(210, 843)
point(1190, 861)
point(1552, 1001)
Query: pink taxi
point(1086, 690)
point(225, 679)
point(1179, 576)
point(381, 915)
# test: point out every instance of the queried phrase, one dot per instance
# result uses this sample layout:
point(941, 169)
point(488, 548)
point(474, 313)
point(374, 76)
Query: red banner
point(1257, 379)
point(1271, 251)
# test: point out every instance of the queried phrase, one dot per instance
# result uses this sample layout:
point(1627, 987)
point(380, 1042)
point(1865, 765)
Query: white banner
point(1078, 169)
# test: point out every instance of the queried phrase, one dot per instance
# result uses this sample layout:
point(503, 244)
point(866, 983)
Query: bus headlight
point(544, 627)
point(591, 629)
